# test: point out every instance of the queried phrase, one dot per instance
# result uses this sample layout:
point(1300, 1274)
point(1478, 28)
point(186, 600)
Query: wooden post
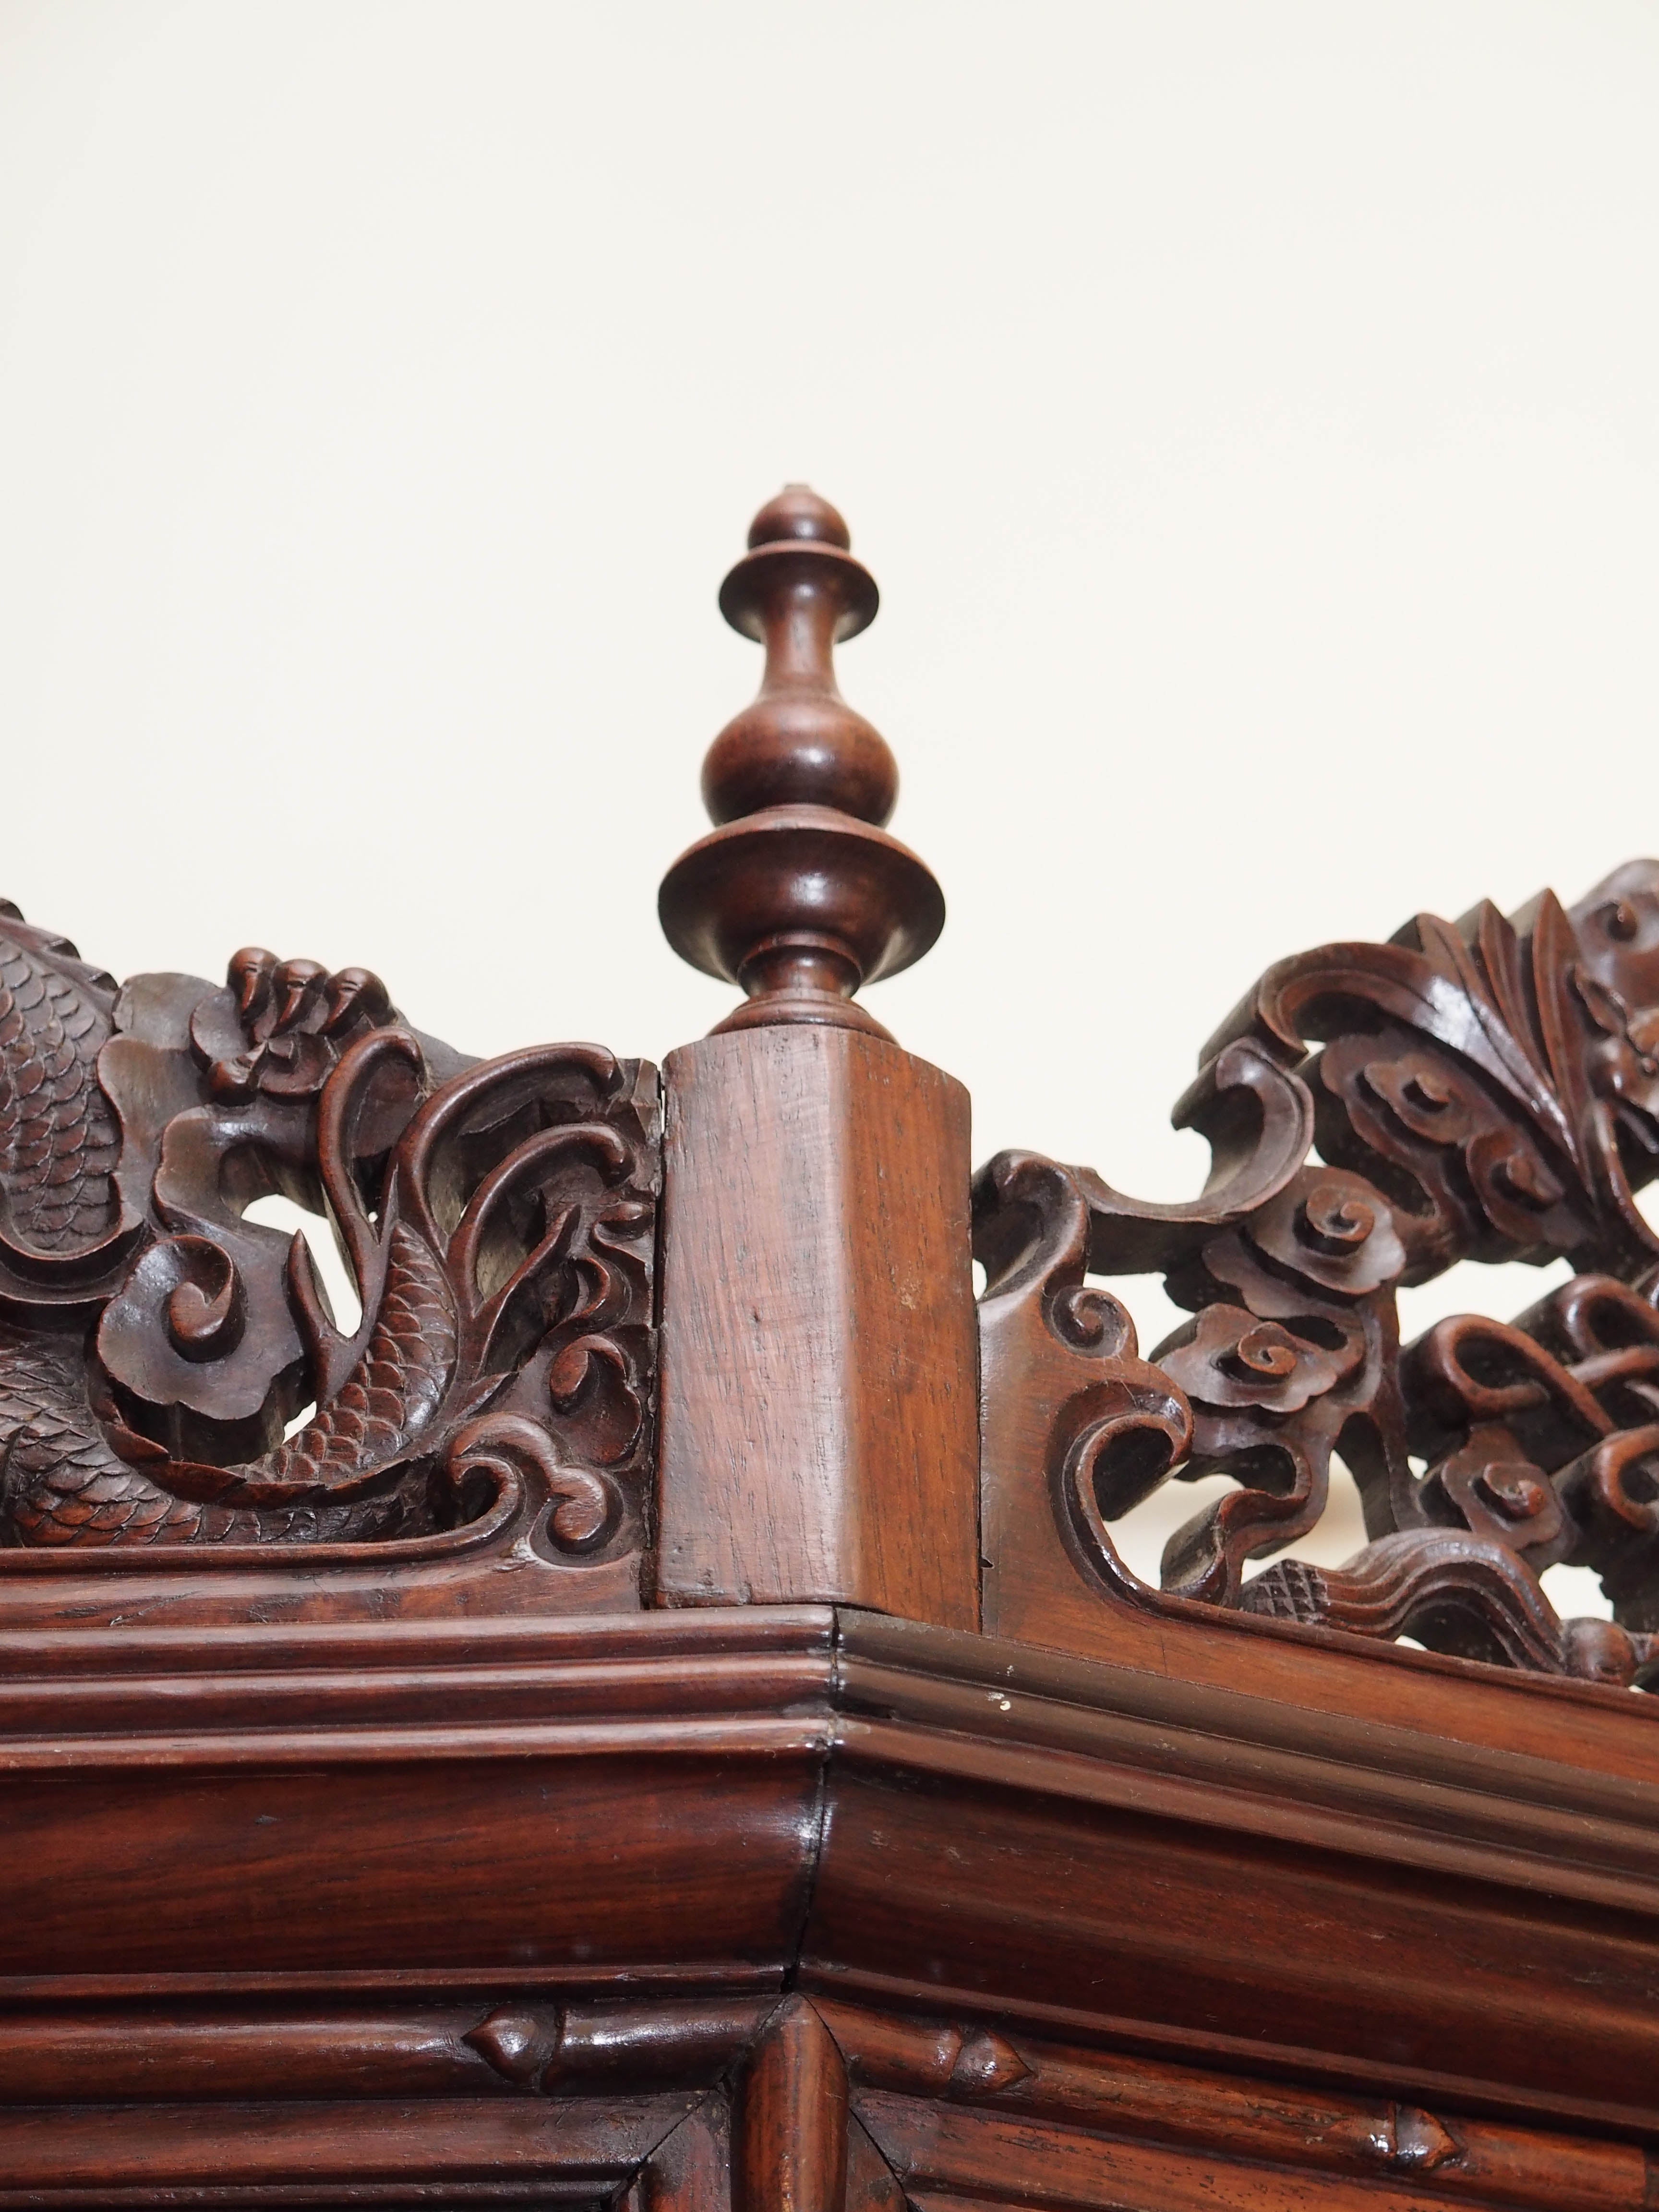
point(790, 2155)
point(819, 1401)
point(819, 1424)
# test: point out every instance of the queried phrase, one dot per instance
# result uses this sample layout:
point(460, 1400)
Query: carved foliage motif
point(170, 1372)
point(1378, 1113)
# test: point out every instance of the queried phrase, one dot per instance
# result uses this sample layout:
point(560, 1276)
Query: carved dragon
point(155, 1343)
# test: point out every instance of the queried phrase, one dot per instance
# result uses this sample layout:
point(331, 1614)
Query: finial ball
point(799, 896)
point(798, 511)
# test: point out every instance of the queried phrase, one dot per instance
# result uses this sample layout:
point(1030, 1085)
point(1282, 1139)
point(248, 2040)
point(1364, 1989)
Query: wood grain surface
point(819, 1410)
point(579, 1764)
point(689, 1807)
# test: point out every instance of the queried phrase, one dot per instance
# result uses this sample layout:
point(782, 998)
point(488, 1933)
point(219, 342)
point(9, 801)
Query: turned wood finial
point(799, 896)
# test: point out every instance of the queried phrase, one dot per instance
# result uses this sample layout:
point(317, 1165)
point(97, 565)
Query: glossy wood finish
point(1043, 1388)
point(173, 1385)
point(581, 1765)
point(272, 2153)
point(1413, 1907)
point(472, 1786)
point(818, 1409)
point(1197, 1872)
point(800, 895)
point(792, 2117)
point(949, 2157)
point(1486, 1091)
point(959, 2109)
point(263, 1872)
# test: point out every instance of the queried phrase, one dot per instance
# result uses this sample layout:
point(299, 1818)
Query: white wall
point(1248, 409)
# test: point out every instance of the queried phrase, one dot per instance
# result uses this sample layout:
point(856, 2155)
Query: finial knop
point(800, 896)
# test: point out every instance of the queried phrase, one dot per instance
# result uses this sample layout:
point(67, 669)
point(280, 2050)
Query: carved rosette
point(1379, 1112)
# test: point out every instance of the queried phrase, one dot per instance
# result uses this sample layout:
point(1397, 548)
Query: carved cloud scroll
point(1487, 1092)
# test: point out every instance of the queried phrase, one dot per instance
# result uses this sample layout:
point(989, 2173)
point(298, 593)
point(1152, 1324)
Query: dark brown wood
point(1242, 2123)
point(658, 1736)
point(800, 895)
point(493, 1407)
point(490, 1781)
point(948, 2156)
point(689, 2171)
point(1054, 1881)
point(568, 1806)
point(1488, 1091)
point(792, 2118)
point(358, 2152)
point(1167, 1842)
point(818, 1415)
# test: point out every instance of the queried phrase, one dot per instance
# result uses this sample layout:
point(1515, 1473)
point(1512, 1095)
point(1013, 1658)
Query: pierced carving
point(1379, 1112)
point(498, 1219)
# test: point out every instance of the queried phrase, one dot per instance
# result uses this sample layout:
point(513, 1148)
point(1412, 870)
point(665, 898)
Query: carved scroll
point(171, 1372)
point(1379, 1112)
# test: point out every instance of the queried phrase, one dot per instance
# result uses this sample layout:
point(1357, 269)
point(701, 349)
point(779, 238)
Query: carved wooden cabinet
point(653, 1708)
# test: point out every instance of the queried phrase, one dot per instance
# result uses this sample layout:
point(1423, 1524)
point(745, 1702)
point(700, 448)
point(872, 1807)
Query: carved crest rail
point(637, 1699)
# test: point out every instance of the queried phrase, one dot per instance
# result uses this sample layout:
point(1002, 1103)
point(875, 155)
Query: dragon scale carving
point(1487, 1092)
point(170, 1369)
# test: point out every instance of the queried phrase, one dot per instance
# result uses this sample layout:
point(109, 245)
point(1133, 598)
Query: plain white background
point(1248, 412)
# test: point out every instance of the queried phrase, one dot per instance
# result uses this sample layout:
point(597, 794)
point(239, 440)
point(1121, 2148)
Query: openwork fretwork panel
point(171, 1373)
point(1486, 1091)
